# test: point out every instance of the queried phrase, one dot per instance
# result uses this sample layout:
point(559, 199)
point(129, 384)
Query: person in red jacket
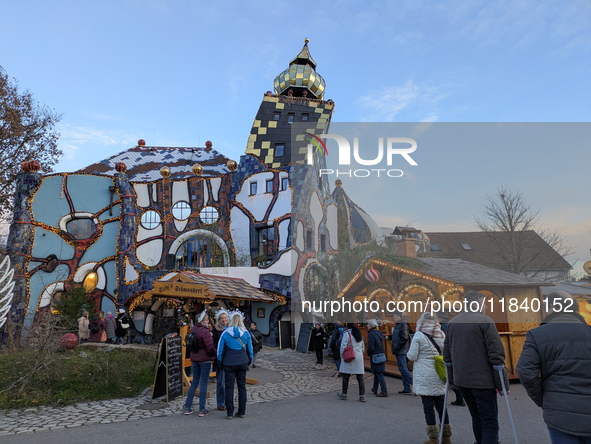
point(201, 358)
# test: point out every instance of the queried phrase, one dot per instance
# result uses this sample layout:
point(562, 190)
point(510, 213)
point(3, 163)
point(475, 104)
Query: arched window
point(199, 252)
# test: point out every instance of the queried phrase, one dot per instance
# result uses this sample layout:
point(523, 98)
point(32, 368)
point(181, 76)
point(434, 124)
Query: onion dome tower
point(296, 107)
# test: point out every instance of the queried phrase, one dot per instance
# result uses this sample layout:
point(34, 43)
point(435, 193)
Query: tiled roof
point(228, 287)
point(144, 162)
point(490, 248)
point(572, 289)
point(468, 273)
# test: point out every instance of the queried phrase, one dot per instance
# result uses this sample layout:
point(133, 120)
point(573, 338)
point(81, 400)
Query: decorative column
point(127, 230)
point(19, 245)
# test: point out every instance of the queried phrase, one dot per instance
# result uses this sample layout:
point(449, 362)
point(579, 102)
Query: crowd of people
point(231, 349)
point(466, 352)
point(109, 329)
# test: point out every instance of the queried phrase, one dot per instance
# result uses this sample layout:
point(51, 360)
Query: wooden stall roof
point(468, 273)
point(451, 272)
point(188, 284)
point(572, 289)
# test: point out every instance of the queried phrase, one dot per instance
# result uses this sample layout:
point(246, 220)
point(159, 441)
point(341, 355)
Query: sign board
point(168, 378)
point(182, 290)
point(304, 338)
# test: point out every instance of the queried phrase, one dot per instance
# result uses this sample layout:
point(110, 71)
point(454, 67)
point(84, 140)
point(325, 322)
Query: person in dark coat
point(318, 342)
point(257, 342)
point(375, 347)
point(443, 317)
point(554, 369)
point(472, 346)
point(123, 325)
point(400, 346)
point(335, 343)
point(201, 360)
point(96, 327)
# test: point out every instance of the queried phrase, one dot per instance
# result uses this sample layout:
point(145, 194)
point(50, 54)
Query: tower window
point(279, 150)
point(323, 243)
point(276, 116)
point(284, 184)
point(290, 118)
point(253, 188)
point(309, 240)
point(305, 117)
point(266, 241)
point(269, 186)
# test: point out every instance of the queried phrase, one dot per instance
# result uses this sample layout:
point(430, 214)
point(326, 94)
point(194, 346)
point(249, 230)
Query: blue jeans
point(558, 437)
point(378, 379)
point(237, 372)
point(483, 407)
point(200, 378)
point(220, 386)
point(254, 358)
point(404, 372)
point(337, 362)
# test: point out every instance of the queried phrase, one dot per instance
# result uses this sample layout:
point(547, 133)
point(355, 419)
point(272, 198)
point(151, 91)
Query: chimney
point(406, 247)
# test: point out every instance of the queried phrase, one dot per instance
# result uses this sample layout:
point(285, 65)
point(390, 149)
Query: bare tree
point(520, 242)
point(27, 132)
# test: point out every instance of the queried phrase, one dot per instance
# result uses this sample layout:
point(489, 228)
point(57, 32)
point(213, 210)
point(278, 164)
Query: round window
point(209, 215)
point(150, 220)
point(181, 210)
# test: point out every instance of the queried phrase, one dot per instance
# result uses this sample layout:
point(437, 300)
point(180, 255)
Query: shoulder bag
point(349, 353)
point(378, 358)
point(439, 364)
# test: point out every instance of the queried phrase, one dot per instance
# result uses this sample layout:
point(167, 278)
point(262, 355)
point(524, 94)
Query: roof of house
point(490, 248)
point(144, 162)
point(572, 289)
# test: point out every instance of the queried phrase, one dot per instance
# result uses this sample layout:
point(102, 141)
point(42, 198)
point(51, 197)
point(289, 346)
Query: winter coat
point(401, 337)
point(554, 369)
point(110, 326)
point(206, 351)
point(230, 349)
point(356, 366)
point(318, 338)
point(426, 381)
point(473, 346)
point(96, 337)
point(216, 335)
point(375, 346)
point(122, 318)
point(83, 331)
point(257, 340)
point(335, 341)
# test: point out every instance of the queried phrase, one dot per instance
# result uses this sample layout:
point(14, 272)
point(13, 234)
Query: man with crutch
point(555, 367)
point(472, 347)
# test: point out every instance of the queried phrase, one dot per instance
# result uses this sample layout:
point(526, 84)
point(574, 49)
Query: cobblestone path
point(300, 377)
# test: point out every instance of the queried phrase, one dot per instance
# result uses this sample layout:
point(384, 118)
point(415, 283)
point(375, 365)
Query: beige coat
point(83, 330)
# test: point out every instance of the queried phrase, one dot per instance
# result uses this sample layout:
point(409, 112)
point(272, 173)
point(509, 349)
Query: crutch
point(442, 420)
point(500, 369)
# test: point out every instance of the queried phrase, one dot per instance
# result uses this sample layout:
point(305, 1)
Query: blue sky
point(178, 73)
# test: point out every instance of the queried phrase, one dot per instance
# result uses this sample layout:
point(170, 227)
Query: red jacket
point(205, 342)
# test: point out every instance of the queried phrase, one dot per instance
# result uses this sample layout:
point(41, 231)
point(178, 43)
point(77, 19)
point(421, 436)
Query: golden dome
point(301, 74)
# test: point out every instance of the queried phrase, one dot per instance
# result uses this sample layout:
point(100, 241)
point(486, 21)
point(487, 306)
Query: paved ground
point(294, 401)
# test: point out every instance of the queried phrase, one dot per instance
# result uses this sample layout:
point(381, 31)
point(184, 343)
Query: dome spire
point(304, 57)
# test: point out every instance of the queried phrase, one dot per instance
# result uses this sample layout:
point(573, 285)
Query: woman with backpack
point(377, 357)
point(202, 356)
point(235, 355)
point(97, 328)
point(352, 346)
point(426, 344)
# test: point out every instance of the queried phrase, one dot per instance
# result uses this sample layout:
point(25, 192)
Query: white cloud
point(414, 99)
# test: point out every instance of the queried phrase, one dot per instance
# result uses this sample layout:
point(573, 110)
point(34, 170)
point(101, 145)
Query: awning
point(191, 285)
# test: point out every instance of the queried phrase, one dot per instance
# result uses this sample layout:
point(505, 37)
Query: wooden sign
point(182, 290)
point(304, 338)
point(168, 378)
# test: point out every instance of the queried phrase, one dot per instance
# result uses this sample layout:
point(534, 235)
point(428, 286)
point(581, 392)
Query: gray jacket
point(555, 367)
point(401, 337)
point(473, 345)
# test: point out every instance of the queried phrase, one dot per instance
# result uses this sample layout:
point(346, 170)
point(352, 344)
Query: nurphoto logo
point(393, 148)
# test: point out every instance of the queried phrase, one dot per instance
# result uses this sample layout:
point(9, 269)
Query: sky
point(178, 73)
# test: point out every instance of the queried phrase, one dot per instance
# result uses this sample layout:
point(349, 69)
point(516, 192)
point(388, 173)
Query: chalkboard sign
point(304, 338)
point(168, 378)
